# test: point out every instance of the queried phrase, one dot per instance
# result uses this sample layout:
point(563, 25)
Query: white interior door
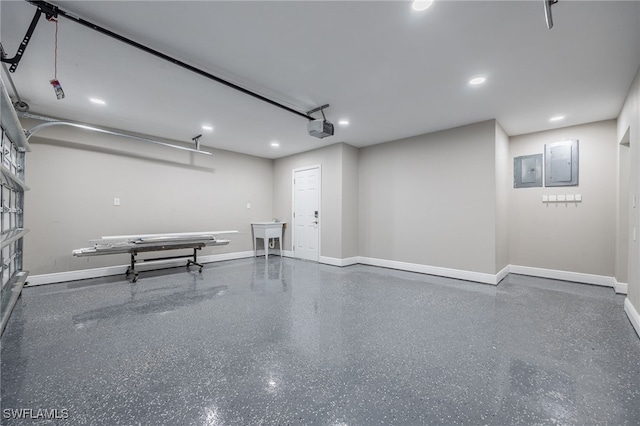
point(306, 213)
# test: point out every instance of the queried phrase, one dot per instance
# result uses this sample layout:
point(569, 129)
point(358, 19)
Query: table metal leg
point(132, 267)
point(195, 260)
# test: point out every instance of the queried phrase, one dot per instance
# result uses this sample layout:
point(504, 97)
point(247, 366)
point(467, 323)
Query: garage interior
point(453, 194)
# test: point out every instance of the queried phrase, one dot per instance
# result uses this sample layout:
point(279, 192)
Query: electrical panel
point(527, 171)
point(561, 163)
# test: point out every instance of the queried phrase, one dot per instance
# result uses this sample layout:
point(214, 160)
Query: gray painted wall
point(576, 237)
point(75, 175)
point(330, 160)
point(443, 199)
point(622, 225)
point(629, 120)
point(431, 199)
point(503, 180)
point(349, 201)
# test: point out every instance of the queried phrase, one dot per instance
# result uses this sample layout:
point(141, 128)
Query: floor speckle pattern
point(296, 343)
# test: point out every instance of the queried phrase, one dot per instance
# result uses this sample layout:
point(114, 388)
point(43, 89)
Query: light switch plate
point(561, 197)
point(116, 201)
point(545, 198)
point(553, 198)
point(571, 197)
point(578, 197)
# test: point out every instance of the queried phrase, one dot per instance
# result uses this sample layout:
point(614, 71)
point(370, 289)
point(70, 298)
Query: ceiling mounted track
point(50, 121)
point(53, 11)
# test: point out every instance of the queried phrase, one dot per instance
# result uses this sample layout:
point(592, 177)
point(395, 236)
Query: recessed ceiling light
point(477, 80)
point(275, 144)
point(207, 127)
point(97, 101)
point(343, 122)
point(557, 118)
point(420, 5)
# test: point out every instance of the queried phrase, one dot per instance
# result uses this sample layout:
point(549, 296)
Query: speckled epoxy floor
point(302, 343)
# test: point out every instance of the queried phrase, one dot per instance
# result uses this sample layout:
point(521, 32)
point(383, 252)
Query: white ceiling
point(390, 71)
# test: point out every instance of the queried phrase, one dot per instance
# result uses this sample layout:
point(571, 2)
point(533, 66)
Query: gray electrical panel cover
point(561, 163)
point(527, 171)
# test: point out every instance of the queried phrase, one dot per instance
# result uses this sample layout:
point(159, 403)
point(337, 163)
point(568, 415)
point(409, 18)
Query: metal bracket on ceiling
point(51, 12)
point(321, 109)
point(547, 12)
point(196, 140)
point(25, 42)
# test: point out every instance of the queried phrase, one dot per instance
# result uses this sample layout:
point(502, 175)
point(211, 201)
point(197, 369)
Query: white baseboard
point(579, 277)
point(503, 273)
point(620, 288)
point(60, 277)
point(272, 252)
point(633, 315)
point(222, 257)
point(485, 278)
point(423, 269)
point(334, 261)
point(433, 270)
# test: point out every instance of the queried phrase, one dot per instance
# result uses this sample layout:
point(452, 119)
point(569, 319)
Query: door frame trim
point(293, 206)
